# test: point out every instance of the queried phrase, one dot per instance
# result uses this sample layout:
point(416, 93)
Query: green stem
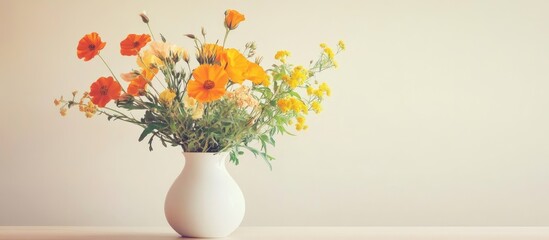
point(150, 30)
point(225, 38)
point(112, 73)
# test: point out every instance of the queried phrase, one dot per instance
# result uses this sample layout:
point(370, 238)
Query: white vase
point(204, 201)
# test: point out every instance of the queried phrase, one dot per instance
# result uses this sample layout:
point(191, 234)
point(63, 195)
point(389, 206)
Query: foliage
point(226, 103)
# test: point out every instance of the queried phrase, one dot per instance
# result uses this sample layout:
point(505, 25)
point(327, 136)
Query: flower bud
point(144, 17)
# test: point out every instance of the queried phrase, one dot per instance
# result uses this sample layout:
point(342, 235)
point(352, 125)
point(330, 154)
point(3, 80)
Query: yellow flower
point(310, 90)
point(323, 45)
point(316, 107)
point(297, 77)
point(89, 109)
point(284, 104)
point(166, 97)
point(235, 64)
point(325, 88)
point(300, 125)
point(329, 52)
point(341, 44)
point(293, 104)
point(281, 55)
point(149, 63)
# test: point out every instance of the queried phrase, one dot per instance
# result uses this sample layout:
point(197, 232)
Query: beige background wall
point(439, 114)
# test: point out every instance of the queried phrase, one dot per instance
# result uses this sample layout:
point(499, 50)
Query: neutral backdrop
point(439, 114)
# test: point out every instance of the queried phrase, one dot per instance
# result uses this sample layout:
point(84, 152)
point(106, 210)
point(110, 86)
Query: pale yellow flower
point(186, 56)
point(160, 49)
point(243, 97)
point(193, 107)
point(198, 111)
point(128, 77)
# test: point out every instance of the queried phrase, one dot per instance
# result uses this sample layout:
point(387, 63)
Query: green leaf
point(148, 130)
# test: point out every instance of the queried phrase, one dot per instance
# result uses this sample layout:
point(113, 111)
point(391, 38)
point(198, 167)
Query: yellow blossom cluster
point(300, 125)
point(328, 51)
point(316, 106)
point(322, 90)
point(297, 77)
point(331, 55)
point(89, 108)
point(341, 45)
point(292, 104)
point(281, 55)
point(243, 97)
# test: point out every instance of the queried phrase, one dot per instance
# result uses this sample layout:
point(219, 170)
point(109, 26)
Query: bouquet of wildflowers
point(226, 102)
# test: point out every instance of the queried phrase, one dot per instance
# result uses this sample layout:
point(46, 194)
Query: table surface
point(272, 233)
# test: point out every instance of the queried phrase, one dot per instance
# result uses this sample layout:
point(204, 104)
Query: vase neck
point(199, 159)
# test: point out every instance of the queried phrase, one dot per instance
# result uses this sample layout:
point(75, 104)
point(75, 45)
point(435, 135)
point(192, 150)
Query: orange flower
point(89, 46)
point(209, 54)
point(104, 90)
point(137, 85)
point(256, 74)
point(133, 43)
point(233, 18)
point(208, 84)
point(235, 64)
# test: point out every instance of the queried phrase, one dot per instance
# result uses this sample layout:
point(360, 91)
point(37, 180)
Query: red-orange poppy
point(137, 86)
point(89, 46)
point(104, 90)
point(133, 43)
point(233, 18)
point(208, 84)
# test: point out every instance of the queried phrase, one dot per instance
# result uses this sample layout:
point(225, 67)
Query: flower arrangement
point(226, 103)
